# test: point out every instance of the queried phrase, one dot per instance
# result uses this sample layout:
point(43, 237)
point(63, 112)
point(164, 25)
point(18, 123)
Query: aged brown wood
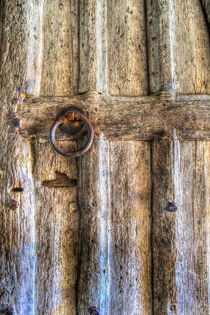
point(61, 180)
point(111, 243)
point(93, 46)
point(206, 10)
point(39, 225)
point(113, 117)
point(60, 48)
point(17, 232)
point(114, 199)
point(178, 47)
point(127, 51)
point(57, 238)
point(180, 239)
point(113, 52)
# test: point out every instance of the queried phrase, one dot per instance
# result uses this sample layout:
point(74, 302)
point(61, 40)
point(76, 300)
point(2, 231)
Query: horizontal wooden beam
point(127, 118)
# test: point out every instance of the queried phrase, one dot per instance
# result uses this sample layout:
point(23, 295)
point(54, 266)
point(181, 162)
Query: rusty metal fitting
point(72, 115)
point(75, 125)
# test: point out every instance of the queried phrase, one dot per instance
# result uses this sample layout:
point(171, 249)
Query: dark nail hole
point(171, 206)
point(12, 204)
point(17, 189)
point(6, 310)
point(15, 122)
point(93, 310)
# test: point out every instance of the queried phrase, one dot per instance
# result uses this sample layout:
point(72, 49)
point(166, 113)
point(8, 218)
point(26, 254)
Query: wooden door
point(125, 228)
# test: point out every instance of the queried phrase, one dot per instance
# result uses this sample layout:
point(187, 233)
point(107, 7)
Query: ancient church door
point(124, 228)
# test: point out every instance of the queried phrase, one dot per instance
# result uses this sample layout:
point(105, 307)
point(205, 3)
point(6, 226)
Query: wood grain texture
point(207, 207)
point(93, 46)
point(60, 180)
point(163, 229)
point(115, 274)
point(57, 233)
point(127, 51)
point(34, 39)
point(43, 269)
point(60, 48)
point(131, 223)
point(159, 15)
point(178, 47)
point(206, 10)
point(180, 248)
point(142, 118)
point(94, 204)
point(29, 282)
point(17, 265)
point(192, 49)
point(113, 57)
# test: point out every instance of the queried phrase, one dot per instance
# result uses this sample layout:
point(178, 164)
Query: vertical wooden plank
point(93, 46)
point(207, 208)
point(206, 10)
point(180, 237)
point(60, 48)
point(114, 199)
point(17, 262)
point(160, 37)
point(34, 19)
point(192, 232)
point(163, 229)
point(127, 51)
point(192, 38)
point(113, 47)
point(131, 253)
point(95, 229)
point(57, 225)
point(178, 46)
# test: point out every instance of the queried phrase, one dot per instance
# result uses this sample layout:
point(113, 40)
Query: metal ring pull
point(74, 115)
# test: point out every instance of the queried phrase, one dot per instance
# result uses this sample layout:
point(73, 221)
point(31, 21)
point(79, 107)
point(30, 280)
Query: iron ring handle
point(58, 122)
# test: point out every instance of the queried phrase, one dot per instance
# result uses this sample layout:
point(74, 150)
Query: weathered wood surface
point(114, 199)
point(60, 48)
point(33, 40)
point(180, 239)
point(127, 50)
point(206, 10)
point(57, 48)
point(113, 52)
point(93, 46)
point(17, 206)
point(178, 47)
point(122, 117)
point(159, 52)
point(192, 37)
point(52, 48)
point(38, 225)
point(57, 232)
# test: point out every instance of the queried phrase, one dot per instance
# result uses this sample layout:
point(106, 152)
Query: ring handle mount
point(70, 130)
point(84, 126)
